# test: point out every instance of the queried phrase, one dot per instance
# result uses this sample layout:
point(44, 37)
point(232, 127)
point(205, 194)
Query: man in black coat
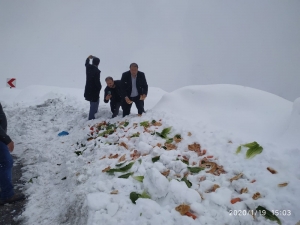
point(113, 92)
point(134, 89)
point(93, 85)
point(7, 194)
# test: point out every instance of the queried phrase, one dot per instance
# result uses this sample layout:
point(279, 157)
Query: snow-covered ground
point(68, 188)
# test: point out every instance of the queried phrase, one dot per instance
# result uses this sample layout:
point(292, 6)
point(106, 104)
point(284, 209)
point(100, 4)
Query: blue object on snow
point(63, 133)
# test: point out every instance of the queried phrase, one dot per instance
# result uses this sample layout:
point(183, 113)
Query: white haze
point(176, 43)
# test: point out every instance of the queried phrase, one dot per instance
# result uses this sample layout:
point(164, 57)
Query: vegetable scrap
point(282, 185)
point(236, 177)
point(235, 200)
point(271, 170)
point(256, 196)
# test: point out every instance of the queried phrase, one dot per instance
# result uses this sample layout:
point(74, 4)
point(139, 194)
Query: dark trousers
point(115, 107)
point(138, 103)
point(93, 109)
point(6, 164)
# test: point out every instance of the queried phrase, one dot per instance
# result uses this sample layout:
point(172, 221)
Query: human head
point(133, 69)
point(109, 81)
point(96, 61)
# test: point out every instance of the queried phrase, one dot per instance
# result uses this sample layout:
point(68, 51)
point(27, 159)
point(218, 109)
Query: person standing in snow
point(93, 85)
point(113, 92)
point(7, 194)
point(134, 89)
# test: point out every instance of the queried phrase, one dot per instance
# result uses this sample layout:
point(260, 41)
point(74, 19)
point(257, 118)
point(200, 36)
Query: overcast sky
point(176, 43)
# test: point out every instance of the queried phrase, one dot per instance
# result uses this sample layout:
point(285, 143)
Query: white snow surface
point(64, 188)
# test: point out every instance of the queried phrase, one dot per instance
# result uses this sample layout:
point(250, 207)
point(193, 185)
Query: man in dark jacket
point(113, 92)
point(7, 194)
point(93, 85)
point(134, 89)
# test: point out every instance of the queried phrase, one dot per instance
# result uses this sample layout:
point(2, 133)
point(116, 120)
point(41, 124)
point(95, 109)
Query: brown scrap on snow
point(178, 175)
point(194, 163)
point(183, 209)
point(256, 196)
point(177, 140)
point(230, 142)
point(114, 192)
point(194, 147)
point(166, 173)
point(157, 124)
point(244, 190)
point(236, 177)
point(271, 170)
point(122, 158)
point(103, 157)
point(186, 174)
point(124, 145)
point(135, 155)
point(122, 123)
point(170, 146)
point(215, 169)
point(106, 169)
point(159, 145)
point(203, 178)
point(213, 188)
point(282, 185)
point(111, 156)
point(197, 148)
point(189, 134)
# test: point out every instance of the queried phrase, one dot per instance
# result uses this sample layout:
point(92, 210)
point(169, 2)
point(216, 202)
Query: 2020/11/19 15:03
point(284, 212)
point(259, 212)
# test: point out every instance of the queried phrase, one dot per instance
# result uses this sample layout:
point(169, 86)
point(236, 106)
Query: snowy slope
point(65, 188)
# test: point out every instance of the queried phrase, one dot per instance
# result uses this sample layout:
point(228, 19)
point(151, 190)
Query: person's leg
point(116, 109)
point(126, 108)
point(6, 164)
point(93, 109)
point(98, 105)
point(139, 104)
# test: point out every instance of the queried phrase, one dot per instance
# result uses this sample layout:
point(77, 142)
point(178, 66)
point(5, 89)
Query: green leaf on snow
point(253, 151)
point(195, 169)
point(164, 133)
point(267, 214)
point(188, 183)
point(145, 124)
point(135, 196)
point(122, 169)
point(125, 175)
point(239, 149)
point(155, 159)
point(139, 178)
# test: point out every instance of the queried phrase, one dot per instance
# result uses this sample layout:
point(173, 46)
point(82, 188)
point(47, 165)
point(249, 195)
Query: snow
point(66, 188)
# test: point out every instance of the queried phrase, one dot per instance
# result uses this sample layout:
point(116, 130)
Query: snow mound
point(242, 110)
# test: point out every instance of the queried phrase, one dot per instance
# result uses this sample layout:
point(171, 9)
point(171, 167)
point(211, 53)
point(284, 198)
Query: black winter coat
point(3, 126)
point(116, 92)
point(141, 84)
point(93, 84)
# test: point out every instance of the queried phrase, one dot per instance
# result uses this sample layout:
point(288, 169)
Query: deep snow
point(65, 188)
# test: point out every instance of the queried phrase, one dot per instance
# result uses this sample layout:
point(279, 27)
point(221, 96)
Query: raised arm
point(87, 61)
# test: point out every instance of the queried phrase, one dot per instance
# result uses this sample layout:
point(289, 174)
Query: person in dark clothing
point(7, 194)
point(93, 85)
point(113, 92)
point(134, 89)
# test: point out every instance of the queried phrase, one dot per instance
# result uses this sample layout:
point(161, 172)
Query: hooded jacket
point(3, 127)
point(93, 84)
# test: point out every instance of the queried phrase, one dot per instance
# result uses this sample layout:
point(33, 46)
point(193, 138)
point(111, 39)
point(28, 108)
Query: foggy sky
point(175, 43)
